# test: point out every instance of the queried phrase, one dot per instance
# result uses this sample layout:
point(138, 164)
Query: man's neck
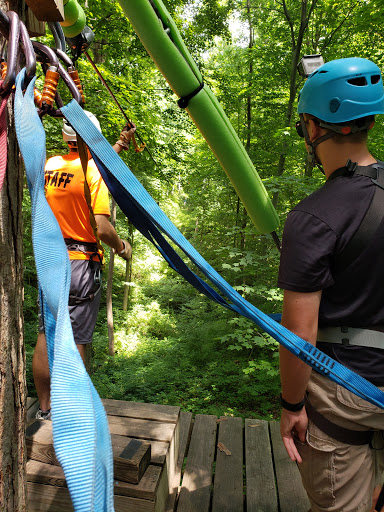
point(337, 155)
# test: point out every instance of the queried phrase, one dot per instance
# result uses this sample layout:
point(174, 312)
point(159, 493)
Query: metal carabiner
point(30, 56)
point(72, 71)
point(54, 72)
point(12, 51)
point(58, 34)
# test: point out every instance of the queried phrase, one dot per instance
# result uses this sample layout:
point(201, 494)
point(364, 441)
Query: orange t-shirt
point(64, 190)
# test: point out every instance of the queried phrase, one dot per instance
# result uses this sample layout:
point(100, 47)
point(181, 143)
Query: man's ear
point(314, 130)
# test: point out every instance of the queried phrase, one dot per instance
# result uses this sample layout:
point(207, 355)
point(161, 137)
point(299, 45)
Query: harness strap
point(74, 300)
point(77, 245)
point(371, 221)
point(342, 434)
point(351, 336)
point(83, 153)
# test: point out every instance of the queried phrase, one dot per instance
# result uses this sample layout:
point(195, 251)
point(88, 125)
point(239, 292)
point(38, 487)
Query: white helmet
point(69, 134)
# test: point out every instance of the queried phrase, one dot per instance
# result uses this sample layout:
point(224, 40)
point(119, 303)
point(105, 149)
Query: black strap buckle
point(184, 101)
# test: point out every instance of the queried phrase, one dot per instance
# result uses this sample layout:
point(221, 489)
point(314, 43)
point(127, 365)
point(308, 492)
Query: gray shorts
point(84, 315)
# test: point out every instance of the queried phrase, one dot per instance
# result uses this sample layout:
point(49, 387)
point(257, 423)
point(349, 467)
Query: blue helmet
point(342, 90)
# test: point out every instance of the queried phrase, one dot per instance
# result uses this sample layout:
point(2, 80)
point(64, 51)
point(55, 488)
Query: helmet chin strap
point(311, 146)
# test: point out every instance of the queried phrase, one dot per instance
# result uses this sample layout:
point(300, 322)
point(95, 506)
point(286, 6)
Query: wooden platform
point(201, 464)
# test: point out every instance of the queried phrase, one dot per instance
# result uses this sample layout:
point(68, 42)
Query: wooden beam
point(47, 10)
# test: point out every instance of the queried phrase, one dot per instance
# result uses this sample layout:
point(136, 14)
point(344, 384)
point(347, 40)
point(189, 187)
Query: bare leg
point(40, 370)
point(82, 350)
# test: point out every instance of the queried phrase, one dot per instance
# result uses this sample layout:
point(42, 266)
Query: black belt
point(342, 434)
point(77, 245)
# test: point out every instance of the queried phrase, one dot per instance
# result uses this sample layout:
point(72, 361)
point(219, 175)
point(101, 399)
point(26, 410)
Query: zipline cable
point(117, 102)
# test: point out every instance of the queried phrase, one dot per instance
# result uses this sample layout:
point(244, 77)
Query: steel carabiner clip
point(54, 70)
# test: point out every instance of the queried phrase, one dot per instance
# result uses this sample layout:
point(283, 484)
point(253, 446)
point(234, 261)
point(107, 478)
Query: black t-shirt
point(316, 230)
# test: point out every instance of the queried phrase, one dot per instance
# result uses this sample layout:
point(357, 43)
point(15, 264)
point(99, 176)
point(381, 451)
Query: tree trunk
point(307, 8)
point(12, 354)
point(128, 273)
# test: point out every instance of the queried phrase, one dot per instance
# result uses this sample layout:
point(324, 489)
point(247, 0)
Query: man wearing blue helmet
point(333, 295)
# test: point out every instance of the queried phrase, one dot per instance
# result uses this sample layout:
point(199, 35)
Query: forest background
point(173, 346)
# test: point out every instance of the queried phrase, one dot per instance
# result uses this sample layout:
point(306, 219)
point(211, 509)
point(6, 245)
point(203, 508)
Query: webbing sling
point(147, 216)
point(80, 428)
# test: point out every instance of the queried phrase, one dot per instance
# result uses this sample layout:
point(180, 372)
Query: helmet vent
point(375, 79)
point(360, 81)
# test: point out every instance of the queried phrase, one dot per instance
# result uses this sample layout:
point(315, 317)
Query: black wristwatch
point(291, 407)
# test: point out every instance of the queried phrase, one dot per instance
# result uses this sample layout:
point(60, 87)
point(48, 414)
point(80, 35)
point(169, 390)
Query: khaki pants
point(339, 477)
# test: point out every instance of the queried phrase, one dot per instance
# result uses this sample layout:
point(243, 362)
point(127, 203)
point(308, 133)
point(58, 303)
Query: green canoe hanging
point(162, 40)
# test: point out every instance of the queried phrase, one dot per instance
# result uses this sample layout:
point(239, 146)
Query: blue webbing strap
point(143, 210)
point(80, 428)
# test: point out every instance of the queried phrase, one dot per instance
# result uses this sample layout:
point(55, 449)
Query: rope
point(143, 211)
point(80, 428)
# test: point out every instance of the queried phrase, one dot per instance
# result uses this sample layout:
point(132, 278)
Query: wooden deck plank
point(47, 498)
point(163, 413)
point(228, 483)
point(146, 489)
point(292, 497)
point(261, 494)
point(185, 422)
point(196, 486)
point(141, 429)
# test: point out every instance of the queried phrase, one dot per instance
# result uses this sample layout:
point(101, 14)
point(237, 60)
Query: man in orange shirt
point(64, 189)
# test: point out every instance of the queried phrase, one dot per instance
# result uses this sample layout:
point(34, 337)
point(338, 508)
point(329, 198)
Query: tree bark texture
point(12, 354)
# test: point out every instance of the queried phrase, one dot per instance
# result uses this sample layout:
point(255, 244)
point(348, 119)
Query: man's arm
point(108, 235)
point(300, 315)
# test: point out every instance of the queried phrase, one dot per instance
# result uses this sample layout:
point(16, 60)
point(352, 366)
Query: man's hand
point(126, 252)
point(126, 135)
point(293, 424)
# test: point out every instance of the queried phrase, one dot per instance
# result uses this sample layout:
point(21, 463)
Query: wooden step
point(131, 457)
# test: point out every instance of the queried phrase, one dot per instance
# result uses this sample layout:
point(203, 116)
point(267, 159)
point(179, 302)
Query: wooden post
point(111, 336)
point(12, 353)
point(128, 273)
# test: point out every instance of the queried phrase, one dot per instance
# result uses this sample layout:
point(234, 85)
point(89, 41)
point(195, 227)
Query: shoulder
point(339, 201)
point(55, 162)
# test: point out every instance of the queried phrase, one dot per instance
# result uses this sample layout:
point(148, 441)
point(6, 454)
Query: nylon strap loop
point(143, 211)
point(80, 428)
